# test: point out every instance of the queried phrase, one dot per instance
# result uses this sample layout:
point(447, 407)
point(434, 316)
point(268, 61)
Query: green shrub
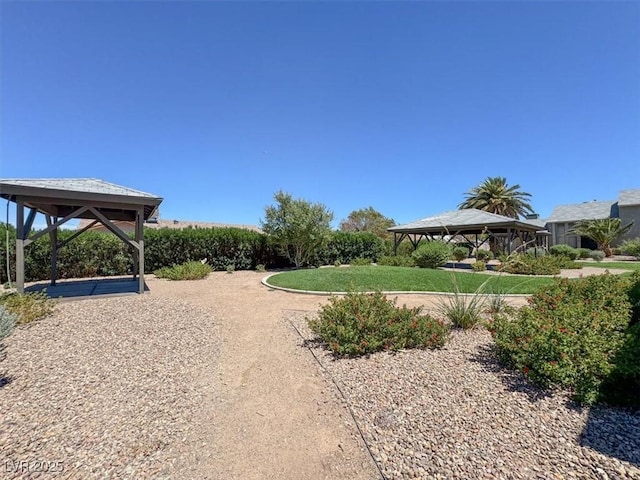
point(360, 323)
point(185, 271)
point(360, 262)
point(622, 387)
point(346, 246)
point(397, 261)
point(583, 253)
point(536, 252)
point(260, 268)
point(565, 251)
point(231, 268)
point(631, 247)
point(616, 251)
point(479, 266)
point(7, 324)
point(460, 253)
point(27, 307)
point(597, 255)
point(484, 255)
point(527, 265)
point(432, 254)
point(569, 334)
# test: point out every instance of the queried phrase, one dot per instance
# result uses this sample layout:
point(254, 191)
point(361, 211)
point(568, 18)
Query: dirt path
point(272, 414)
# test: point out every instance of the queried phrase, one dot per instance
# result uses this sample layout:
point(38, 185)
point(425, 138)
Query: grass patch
point(629, 265)
point(27, 307)
point(186, 271)
point(384, 278)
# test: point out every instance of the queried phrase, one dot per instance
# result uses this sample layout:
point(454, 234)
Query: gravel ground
point(106, 387)
point(455, 413)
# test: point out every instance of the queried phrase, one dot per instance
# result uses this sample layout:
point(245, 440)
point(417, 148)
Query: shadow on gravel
point(613, 432)
point(514, 381)
point(5, 380)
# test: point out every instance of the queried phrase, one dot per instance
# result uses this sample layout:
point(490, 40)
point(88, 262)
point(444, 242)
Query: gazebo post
point(140, 241)
point(20, 246)
point(53, 238)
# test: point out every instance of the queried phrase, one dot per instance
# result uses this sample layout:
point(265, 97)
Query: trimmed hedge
point(103, 254)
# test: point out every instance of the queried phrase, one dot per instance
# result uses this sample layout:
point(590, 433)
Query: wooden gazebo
point(63, 199)
point(474, 226)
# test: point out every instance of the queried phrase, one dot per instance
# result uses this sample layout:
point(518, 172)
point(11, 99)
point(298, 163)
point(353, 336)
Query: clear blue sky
point(400, 106)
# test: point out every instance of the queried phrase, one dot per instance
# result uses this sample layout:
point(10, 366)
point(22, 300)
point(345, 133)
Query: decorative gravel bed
point(456, 414)
point(105, 388)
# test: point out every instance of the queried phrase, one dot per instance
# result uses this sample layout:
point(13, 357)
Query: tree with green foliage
point(494, 195)
point(367, 220)
point(603, 231)
point(299, 228)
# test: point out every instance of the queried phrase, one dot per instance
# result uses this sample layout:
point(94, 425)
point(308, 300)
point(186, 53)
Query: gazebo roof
point(60, 196)
point(468, 221)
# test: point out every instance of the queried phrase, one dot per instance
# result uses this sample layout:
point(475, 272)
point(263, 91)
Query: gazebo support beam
point(20, 235)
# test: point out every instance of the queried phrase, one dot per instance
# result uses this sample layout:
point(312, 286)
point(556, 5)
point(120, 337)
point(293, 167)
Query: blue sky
point(401, 106)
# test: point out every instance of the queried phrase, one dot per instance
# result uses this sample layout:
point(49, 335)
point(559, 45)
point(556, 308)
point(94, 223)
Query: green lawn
point(604, 265)
point(384, 278)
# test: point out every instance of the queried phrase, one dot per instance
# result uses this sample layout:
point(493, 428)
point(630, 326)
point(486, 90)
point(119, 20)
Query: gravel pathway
point(456, 414)
point(105, 388)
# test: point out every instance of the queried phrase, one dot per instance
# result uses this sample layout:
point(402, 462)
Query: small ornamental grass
point(397, 261)
point(362, 323)
point(461, 309)
point(576, 335)
point(186, 271)
point(27, 307)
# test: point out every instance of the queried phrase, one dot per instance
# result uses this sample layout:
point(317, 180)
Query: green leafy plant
point(27, 307)
point(460, 253)
point(397, 261)
point(432, 254)
point(525, 264)
point(360, 262)
point(300, 228)
point(583, 253)
point(479, 266)
point(7, 324)
point(361, 323)
point(185, 271)
point(570, 334)
point(260, 268)
point(484, 255)
point(597, 255)
point(602, 231)
point(463, 310)
point(565, 251)
point(631, 247)
point(231, 268)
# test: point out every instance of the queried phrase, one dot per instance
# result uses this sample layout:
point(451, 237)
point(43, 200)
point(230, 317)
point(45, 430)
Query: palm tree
point(495, 196)
point(604, 231)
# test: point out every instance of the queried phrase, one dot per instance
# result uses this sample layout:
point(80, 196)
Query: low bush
point(361, 323)
point(597, 255)
point(432, 254)
point(536, 252)
point(616, 251)
point(185, 271)
point(7, 324)
point(529, 265)
point(460, 253)
point(575, 335)
point(360, 262)
point(479, 266)
point(565, 251)
point(583, 253)
point(260, 268)
point(27, 307)
point(397, 261)
point(631, 247)
point(484, 255)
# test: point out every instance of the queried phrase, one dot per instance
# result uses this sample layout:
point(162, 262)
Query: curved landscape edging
point(392, 292)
